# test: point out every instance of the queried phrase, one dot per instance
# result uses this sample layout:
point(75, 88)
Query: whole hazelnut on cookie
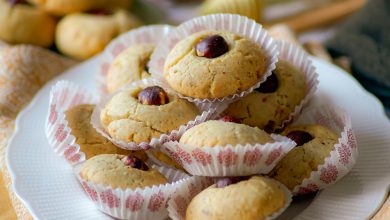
point(135, 162)
point(212, 46)
point(153, 95)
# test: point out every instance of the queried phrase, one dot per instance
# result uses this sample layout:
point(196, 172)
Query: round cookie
point(63, 7)
point(129, 66)
point(267, 108)
point(90, 141)
point(115, 170)
point(256, 198)
point(24, 24)
point(302, 160)
point(83, 35)
point(231, 72)
point(127, 119)
point(219, 133)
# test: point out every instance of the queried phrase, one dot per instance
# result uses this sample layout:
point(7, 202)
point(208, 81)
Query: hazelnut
point(300, 137)
point(226, 181)
point(227, 118)
point(134, 162)
point(153, 95)
point(270, 85)
point(211, 47)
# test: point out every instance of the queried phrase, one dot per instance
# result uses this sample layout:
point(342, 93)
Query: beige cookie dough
point(83, 35)
point(268, 110)
point(24, 24)
point(165, 159)
point(110, 170)
point(256, 198)
point(129, 66)
point(219, 133)
point(199, 77)
point(126, 119)
point(90, 141)
point(64, 7)
point(302, 160)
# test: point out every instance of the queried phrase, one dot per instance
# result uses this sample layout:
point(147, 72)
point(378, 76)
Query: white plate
point(45, 182)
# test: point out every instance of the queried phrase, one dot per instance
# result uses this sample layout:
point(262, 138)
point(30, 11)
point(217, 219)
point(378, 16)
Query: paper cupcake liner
point(208, 112)
point(299, 59)
point(225, 22)
point(341, 159)
point(229, 160)
point(64, 95)
point(151, 34)
point(182, 197)
point(147, 203)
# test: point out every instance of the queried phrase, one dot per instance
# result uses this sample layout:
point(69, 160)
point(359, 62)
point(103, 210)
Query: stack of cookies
point(208, 119)
point(79, 28)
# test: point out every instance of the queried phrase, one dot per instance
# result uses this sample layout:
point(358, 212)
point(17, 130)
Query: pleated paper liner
point(151, 34)
point(299, 59)
point(63, 96)
point(341, 159)
point(182, 197)
point(229, 160)
point(220, 22)
point(208, 111)
point(141, 203)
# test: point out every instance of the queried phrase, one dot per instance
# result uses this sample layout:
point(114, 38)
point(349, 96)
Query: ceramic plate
point(46, 184)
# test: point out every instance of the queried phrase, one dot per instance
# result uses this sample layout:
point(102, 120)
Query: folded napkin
point(365, 38)
point(23, 70)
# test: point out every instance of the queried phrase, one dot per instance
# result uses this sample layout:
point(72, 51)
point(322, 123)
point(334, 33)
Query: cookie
point(130, 117)
point(83, 35)
point(64, 7)
point(269, 105)
point(90, 141)
point(219, 133)
point(214, 64)
point(24, 24)
point(129, 66)
point(250, 8)
point(314, 144)
point(119, 171)
point(255, 198)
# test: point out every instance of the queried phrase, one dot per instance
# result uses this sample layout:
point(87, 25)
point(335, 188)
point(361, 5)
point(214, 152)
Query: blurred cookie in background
point(64, 7)
point(250, 8)
point(22, 23)
point(82, 35)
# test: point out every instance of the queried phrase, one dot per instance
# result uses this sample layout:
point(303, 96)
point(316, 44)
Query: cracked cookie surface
point(90, 141)
point(269, 110)
point(129, 66)
point(256, 198)
point(219, 133)
point(199, 77)
point(110, 170)
point(302, 160)
point(128, 120)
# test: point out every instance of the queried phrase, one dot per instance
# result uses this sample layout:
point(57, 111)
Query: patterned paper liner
point(341, 159)
point(229, 160)
point(182, 197)
point(64, 95)
point(208, 112)
point(298, 58)
point(147, 203)
point(151, 34)
point(225, 22)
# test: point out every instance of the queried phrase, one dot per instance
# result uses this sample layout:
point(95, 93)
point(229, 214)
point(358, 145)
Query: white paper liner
point(64, 95)
point(229, 160)
point(224, 22)
point(300, 59)
point(147, 203)
point(341, 159)
point(209, 111)
point(182, 197)
point(151, 34)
